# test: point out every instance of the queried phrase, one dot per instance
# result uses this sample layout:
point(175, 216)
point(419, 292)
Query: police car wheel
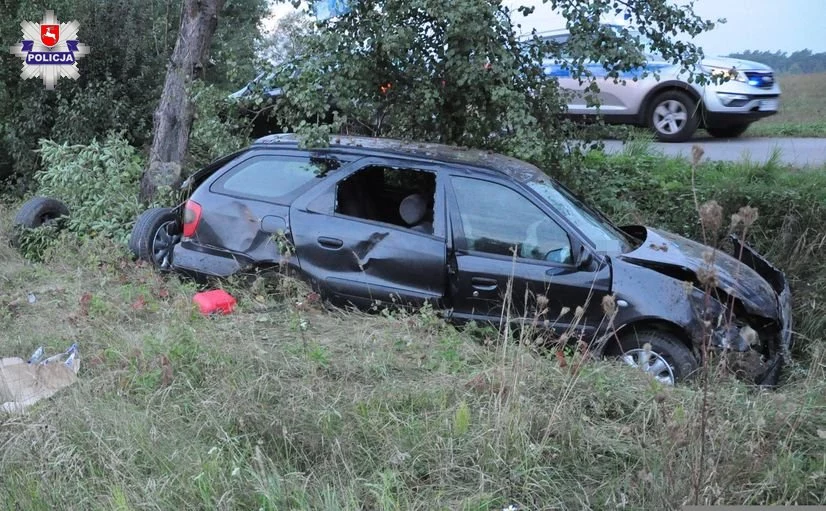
point(673, 116)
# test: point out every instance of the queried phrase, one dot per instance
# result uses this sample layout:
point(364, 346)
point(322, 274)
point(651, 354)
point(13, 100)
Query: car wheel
point(727, 131)
point(37, 212)
point(154, 236)
point(673, 116)
point(668, 360)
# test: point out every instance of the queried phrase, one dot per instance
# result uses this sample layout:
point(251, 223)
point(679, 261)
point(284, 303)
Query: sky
point(785, 25)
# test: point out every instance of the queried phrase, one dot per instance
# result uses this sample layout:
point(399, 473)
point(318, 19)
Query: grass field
point(802, 109)
point(285, 405)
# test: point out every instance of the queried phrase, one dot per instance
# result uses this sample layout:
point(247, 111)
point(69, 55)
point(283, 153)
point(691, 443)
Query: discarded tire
point(37, 212)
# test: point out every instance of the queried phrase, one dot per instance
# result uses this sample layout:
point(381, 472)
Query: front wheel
point(673, 116)
point(154, 236)
point(660, 354)
point(732, 131)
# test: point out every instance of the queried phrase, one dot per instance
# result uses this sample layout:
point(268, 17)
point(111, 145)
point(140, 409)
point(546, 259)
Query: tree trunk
point(174, 115)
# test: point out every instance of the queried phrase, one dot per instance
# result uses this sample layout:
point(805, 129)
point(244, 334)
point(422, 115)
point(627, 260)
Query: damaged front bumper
point(764, 369)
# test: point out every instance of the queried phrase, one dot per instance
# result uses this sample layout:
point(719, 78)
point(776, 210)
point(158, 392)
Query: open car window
point(400, 196)
point(498, 220)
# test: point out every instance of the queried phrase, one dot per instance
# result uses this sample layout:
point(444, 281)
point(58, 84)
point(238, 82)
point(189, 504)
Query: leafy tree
point(284, 43)
point(120, 81)
point(457, 73)
point(175, 112)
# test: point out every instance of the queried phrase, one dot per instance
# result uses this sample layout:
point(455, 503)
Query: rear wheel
point(662, 355)
point(732, 131)
point(154, 236)
point(673, 116)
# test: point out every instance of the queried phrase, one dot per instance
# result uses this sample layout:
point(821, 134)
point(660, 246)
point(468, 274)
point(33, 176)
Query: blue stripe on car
point(599, 71)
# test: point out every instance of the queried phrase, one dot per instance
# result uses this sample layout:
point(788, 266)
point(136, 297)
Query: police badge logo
point(50, 50)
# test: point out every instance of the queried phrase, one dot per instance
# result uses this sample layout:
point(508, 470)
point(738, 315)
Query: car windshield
point(602, 234)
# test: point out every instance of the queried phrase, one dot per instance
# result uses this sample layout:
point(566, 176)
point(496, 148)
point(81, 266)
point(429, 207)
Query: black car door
point(352, 242)
point(509, 250)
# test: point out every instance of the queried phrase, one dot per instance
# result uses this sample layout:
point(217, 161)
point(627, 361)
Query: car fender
point(693, 90)
point(645, 296)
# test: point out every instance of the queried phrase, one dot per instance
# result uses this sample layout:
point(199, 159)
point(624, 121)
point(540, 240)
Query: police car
point(660, 97)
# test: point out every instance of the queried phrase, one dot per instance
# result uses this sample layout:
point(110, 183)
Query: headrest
point(413, 209)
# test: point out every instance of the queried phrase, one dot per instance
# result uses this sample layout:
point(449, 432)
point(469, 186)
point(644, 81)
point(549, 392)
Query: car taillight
point(192, 215)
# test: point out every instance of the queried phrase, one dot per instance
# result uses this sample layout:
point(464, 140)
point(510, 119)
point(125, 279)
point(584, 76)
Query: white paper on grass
point(22, 384)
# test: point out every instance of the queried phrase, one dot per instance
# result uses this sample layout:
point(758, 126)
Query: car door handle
point(483, 284)
point(326, 242)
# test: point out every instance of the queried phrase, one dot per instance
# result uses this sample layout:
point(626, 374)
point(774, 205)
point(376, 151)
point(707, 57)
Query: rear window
point(272, 177)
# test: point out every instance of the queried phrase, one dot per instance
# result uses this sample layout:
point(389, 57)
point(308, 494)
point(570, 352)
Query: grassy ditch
point(286, 405)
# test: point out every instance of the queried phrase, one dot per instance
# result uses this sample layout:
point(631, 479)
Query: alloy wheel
point(670, 117)
point(166, 237)
point(651, 363)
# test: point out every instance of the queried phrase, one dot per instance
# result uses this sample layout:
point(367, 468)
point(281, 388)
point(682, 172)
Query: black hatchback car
point(377, 220)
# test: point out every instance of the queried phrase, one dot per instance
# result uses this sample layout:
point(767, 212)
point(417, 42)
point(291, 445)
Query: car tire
point(669, 359)
point(673, 116)
point(37, 212)
point(732, 131)
point(154, 236)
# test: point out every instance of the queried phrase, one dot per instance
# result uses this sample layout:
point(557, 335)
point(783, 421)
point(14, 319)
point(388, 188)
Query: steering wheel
point(558, 255)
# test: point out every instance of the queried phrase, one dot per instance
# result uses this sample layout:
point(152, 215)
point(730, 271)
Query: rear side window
point(272, 178)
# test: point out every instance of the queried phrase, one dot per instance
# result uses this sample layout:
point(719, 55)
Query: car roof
point(516, 169)
point(546, 34)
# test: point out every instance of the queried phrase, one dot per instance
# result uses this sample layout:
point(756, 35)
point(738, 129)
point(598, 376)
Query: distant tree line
point(799, 62)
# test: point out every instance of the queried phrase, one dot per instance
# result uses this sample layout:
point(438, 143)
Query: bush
point(99, 182)
point(642, 187)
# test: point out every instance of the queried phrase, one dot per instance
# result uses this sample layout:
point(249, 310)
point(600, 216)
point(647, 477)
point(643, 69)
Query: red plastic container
point(216, 301)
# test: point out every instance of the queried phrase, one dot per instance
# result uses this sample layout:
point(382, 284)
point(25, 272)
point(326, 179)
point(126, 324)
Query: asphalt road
point(799, 152)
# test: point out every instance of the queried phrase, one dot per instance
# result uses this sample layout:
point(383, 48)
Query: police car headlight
point(729, 72)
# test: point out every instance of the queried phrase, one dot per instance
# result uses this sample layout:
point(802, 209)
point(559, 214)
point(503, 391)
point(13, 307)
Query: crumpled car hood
point(665, 248)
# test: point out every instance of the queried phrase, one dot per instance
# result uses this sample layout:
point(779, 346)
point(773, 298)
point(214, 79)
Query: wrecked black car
point(481, 237)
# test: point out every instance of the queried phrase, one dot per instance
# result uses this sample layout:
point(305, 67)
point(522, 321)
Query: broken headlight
point(734, 337)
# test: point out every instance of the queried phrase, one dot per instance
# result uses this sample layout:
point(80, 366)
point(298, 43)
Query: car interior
point(397, 196)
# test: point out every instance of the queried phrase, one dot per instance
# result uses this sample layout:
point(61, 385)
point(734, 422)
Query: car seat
point(413, 210)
